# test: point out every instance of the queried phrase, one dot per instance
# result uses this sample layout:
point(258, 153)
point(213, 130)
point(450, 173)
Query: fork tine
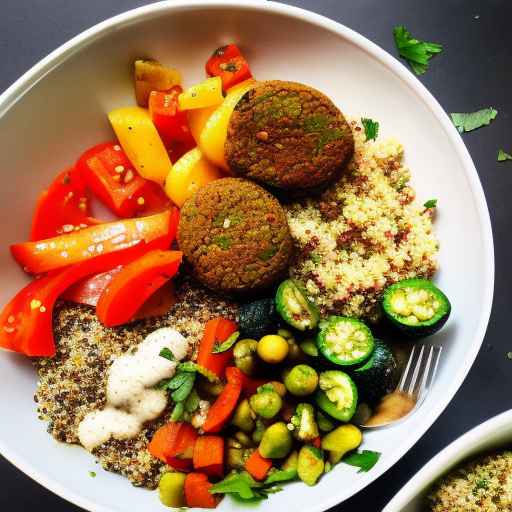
point(426, 373)
point(401, 384)
point(416, 372)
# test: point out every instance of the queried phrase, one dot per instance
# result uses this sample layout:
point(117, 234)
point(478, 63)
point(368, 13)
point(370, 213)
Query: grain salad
point(364, 233)
point(482, 485)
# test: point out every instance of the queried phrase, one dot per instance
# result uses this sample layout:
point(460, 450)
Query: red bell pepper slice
point(250, 385)
point(174, 444)
point(116, 183)
point(171, 123)
point(26, 321)
point(209, 455)
point(228, 63)
point(216, 331)
point(62, 208)
point(159, 230)
point(222, 409)
point(258, 466)
point(197, 492)
point(134, 284)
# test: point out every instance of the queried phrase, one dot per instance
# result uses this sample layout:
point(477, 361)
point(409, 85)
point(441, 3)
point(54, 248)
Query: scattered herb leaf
point(364, 460)
point(371, 128)
point(502, 156)
point(483, 484)
point(281, 475)
point(431, 203)
point(165, 352)
point(92, 474)
point(417, 53)
point(192, 401)
point(468, 121)
point(267, 253)
point(178, 411)
point(184, 390)
point(226, 345)
point(241, 484)
point(191, 367)
point(315, 258)
point(222, 241)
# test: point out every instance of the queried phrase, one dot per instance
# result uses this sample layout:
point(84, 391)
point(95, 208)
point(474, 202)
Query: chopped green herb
point(165, 352)
point(281, 475)
point(178, 411)
point(364, 460)
point(482, 484)
point(315, 258)
point(191, 367)
point(184, 390)
point(431, 203)
point(326, 137)
point(175, 382)
point(192, 401)
point(371, 128)
point(468, 121)
point(502, 156)
point(240, 484)
point(222, 241)
point(267, 253)
point(417, 53)
point(92, 474)
point(316, 123)
point(226, 345)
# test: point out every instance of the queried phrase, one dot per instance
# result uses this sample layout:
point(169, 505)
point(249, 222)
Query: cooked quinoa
point(73, 383)
point(364, 233)
point(482, 485)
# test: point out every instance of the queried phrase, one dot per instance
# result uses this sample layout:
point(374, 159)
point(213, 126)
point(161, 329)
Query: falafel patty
point(235, 236)
point(288, 135)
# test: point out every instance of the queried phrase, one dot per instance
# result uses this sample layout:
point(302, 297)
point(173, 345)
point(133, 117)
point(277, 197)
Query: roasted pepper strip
point(117, 184)
point(222, 409)
point(134, 284)
point(228, 63)
point(158, 230)
point(62, 208)
point(216, 331)
point(26, 321)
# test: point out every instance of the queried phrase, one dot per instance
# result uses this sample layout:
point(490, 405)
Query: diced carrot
point(225, 405)
point(209, 455)
point(216, 331)
point(258, 466)
point(173, 444)
point(196, 491)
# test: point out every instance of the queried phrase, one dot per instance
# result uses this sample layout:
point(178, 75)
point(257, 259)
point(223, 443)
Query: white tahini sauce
point(131, 397)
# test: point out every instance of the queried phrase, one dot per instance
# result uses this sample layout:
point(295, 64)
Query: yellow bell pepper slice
point(191, 172)
point(141, 142)
point(214, 134)
point(206, 94)
point(197, 119)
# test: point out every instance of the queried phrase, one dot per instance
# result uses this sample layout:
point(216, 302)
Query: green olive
point(258, 431)
point(245, 355)
point(276, 442)
point(236, 458)
point(266, 404)
point(244, 439)
point(285, 333)
point(171, 488)
point(301, 380)
point(295, 353)
point(243, 417)
point(279, 387)
point(273, 348)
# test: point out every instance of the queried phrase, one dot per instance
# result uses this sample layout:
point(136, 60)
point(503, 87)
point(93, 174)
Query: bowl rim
point(458, 449)
point(22, 85)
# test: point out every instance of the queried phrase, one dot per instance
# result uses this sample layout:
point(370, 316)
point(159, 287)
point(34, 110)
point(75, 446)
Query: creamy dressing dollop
point(131, 397)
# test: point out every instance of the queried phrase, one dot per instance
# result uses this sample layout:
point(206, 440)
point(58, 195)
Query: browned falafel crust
point(288, 135)
point(235, 236)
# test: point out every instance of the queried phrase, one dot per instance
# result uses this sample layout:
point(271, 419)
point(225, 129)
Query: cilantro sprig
point(364, 460)
point(371, 128)
point(502, 156)
point(417, 53)
point(468, 121)
point(243, 486)
point(431, 203)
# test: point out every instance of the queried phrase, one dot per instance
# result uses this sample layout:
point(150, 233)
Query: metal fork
point(416, 379)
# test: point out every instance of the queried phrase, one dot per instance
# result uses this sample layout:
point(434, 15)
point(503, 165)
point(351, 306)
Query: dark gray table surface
point(474, 71)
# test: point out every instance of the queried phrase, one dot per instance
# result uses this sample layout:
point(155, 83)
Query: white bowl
point(57, 109)
point(493, 434)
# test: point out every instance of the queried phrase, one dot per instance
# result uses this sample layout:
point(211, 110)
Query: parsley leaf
point(364, 460)
point(416, 53)
point(502, 156)
point(174, 382)
point(226, 345)
point(165, 352)
point(281, 475)
point(184, 390)
point(431, 203)
point(371, 128)
point(468, 121)
point(241, 484)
